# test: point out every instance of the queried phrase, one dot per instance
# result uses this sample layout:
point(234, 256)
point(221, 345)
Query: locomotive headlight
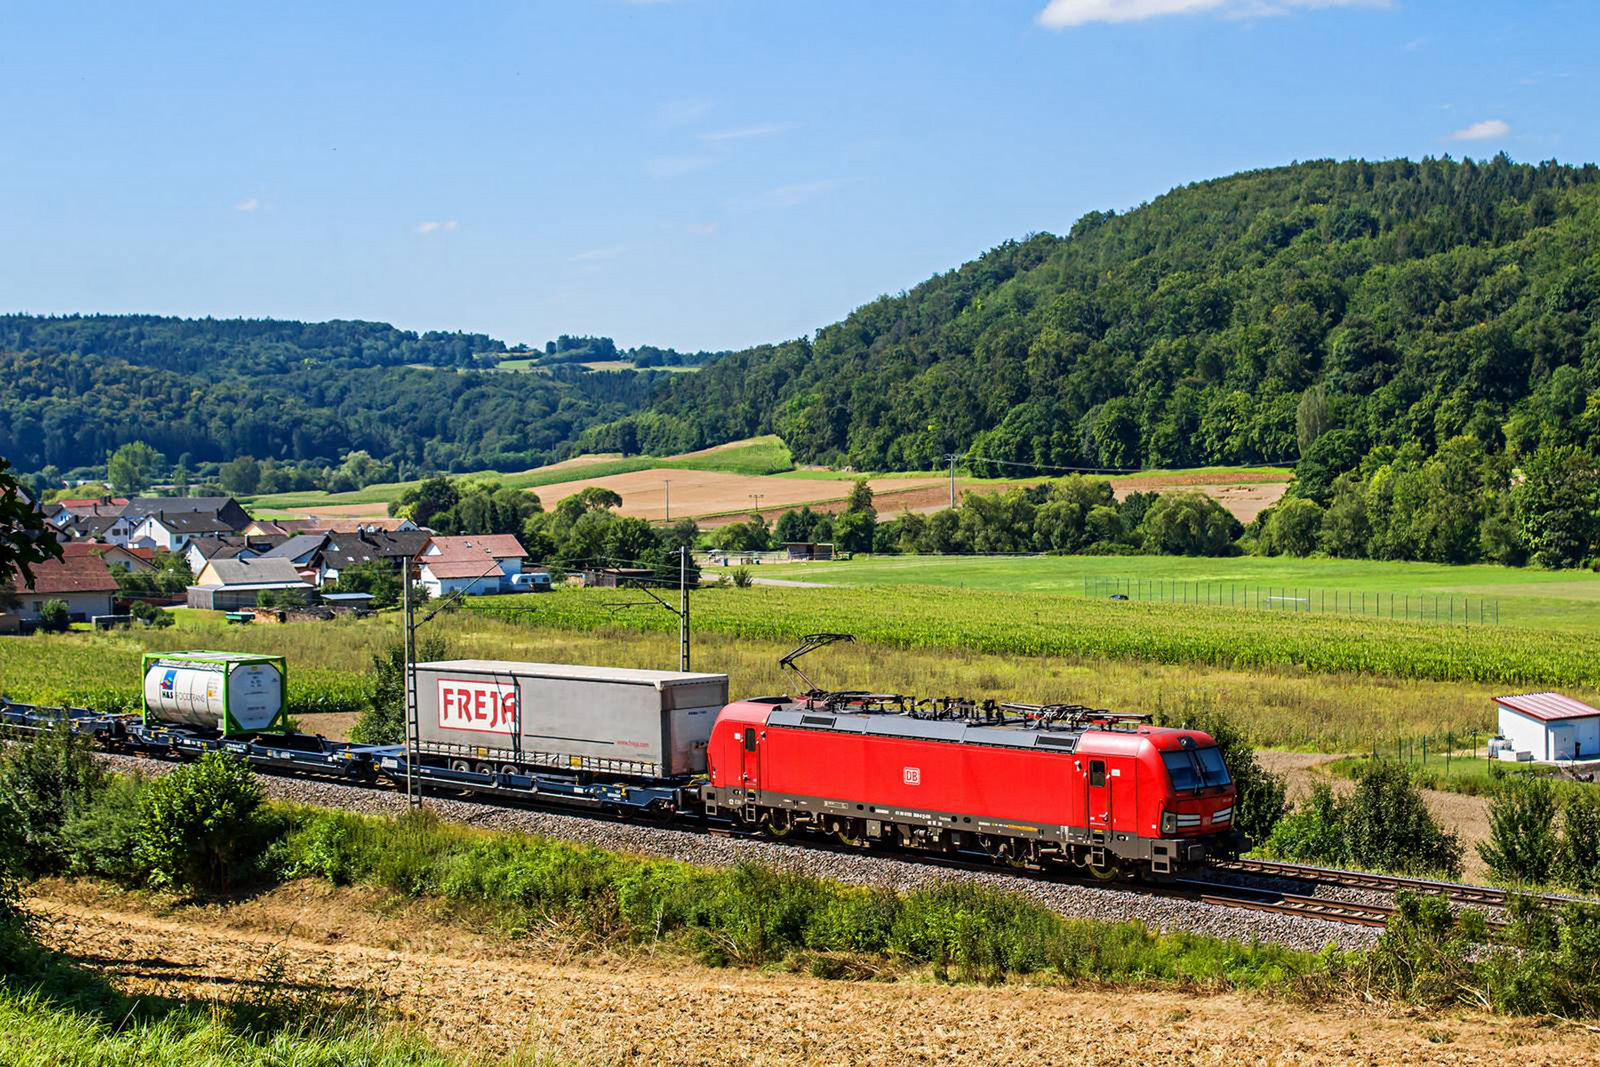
point(1169, 823)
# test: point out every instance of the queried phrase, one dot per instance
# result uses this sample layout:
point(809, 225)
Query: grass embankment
point(1525, 596)
point(37, 1030)
point(758, 455)
point(1284, 706)
point(754, 916)
point(1053, 625)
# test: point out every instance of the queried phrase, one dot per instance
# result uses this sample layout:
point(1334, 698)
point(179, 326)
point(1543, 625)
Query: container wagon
point(224, 694)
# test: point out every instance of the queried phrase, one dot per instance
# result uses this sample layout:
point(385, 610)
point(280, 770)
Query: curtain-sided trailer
point(499, 717)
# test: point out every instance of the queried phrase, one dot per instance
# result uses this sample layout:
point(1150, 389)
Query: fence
point(1383, 604)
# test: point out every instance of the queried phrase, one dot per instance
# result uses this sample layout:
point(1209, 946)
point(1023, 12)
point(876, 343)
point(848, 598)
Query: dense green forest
point(73, 389)
point(1225, 322)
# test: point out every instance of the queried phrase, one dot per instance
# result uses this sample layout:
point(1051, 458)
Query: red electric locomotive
point(1027, 785)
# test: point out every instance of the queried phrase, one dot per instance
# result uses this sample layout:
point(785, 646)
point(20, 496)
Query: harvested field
point(719, 497)
point(697, 493)
point(482, 995)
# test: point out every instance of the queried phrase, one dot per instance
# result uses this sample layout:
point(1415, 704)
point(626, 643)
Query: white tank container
point(230, 692)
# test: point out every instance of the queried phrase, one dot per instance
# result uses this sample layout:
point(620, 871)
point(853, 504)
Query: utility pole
point(666, 506)
point(756, 499)
point(950, 457)
point(408, 657)
point(683, 608)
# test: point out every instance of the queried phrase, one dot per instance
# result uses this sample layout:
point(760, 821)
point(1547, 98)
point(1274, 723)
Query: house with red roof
point(1548, 727)
point(472, 564)
point(80, 579)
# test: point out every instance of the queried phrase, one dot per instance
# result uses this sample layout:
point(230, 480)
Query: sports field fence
point(1260, 596)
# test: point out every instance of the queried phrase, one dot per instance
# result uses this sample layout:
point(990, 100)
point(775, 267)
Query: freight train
point(1035, 786)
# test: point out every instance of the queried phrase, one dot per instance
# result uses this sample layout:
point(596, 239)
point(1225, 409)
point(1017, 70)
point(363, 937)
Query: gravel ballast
point(1074, 900)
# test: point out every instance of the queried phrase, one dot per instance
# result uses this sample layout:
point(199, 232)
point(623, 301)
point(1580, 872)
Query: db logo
point(913, 776)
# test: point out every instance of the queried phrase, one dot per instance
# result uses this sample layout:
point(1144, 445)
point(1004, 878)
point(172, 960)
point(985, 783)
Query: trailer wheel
point(460, 765)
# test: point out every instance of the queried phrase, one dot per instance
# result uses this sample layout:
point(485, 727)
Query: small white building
point(1551, 726)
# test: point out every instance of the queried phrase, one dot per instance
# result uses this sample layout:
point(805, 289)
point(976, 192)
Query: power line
point(1092, 470)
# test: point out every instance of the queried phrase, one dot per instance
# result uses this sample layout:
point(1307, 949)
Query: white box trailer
point(496, 715)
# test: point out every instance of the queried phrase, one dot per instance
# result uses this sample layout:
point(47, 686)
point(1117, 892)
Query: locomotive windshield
point(1199, 768)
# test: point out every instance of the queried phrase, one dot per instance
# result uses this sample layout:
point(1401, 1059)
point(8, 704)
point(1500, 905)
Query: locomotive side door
point(1098, 807)
point(750, 751)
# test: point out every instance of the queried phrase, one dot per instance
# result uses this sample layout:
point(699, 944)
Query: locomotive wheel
point(780, 824)
point(1108, 873)
point(850, 832)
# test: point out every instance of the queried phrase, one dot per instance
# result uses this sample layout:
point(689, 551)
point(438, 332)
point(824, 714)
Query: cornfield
point(1044, 624)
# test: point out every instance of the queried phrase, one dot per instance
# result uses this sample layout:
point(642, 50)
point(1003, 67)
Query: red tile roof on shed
point(1547, 707)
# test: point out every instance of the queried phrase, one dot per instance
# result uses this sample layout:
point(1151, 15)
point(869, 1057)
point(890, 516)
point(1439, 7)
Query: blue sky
point(697, 173)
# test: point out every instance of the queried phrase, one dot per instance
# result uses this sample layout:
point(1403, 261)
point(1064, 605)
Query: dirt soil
point(1467, 816)
point(696, 493)
point(485, 995)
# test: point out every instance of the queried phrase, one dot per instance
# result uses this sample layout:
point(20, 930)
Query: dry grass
point(1285, 707)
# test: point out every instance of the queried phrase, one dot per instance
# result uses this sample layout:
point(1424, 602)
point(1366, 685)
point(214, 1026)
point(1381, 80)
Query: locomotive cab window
point(1192, 769)
point(1097, 773)
point(750, 740)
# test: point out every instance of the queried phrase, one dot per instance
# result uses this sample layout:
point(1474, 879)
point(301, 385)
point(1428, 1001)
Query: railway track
point(1457, 892)
point(1247, 898)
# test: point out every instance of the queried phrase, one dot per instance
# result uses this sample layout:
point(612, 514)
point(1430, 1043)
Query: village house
point(233, 584)
point(389, 547)
point(202, 550)
point(174, 531)
point(473, 565)
point(226, 509)
point(80, 579)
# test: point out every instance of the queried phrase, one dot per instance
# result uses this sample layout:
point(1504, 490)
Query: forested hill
point(74, 388)
point(1226, 322)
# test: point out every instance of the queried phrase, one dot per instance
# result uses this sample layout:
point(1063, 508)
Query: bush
point(149, 614)
point(49, 778)
point(1388, 827)
point(384, 722)
point(103, 839)
point(1383, 826)
point(1261, 797)
point(742, 578)
point(1522, 845)
point(1314, 833)
point(201, 827)
point(1578, 859)
point(53, 617)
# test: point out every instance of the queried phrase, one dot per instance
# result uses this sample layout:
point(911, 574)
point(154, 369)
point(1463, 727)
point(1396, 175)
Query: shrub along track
point(1236, 906)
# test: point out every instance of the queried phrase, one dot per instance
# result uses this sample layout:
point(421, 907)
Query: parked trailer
point(495, 716)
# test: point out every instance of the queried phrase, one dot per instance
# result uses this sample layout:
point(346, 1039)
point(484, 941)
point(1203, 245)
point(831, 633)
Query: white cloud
point(596, 254)
point(744, 133)
point(676, 166)
point(1487, 130)
point(1062, 14)
point(426, 228)
point(682, 112)
point(794, 194)
point(249, 203)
